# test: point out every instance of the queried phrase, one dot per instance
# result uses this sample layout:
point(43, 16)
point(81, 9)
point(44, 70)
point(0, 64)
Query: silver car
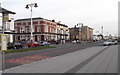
point(107, 43)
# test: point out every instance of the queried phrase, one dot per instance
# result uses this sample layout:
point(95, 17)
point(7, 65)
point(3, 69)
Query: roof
point(3, 10)
point(74, 28)
point(62, 24)
point(88, 27)
point(28, 19)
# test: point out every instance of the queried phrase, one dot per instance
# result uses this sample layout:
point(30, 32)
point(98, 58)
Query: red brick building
point(43, 29)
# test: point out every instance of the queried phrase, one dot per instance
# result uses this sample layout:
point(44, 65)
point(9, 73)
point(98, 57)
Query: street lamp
point(102, 32)
point(75, 33)
point(27, 7)
point(80, 29)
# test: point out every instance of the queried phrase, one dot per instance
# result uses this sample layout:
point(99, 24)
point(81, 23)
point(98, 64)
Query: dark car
point(10, 45)
point(18, 45)
point(24, 44)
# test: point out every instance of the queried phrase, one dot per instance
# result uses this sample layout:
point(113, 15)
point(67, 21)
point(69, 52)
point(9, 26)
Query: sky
point(92, 13)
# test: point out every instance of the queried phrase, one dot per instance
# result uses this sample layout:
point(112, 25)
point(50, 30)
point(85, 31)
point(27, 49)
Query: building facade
point(7, 23)
point(43, 29)
point(83, 33)
point(86, 33)
point(74, 33)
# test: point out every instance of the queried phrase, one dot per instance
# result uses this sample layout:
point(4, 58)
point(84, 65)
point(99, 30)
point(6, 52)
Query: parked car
point(36, 44)
point(18, 45)
point(44, 43)
point(33, 44)
point(114, 42)
point(108, 43)
point(24, 44)
point(30, 44)
point(74, 41)
point(10, 45)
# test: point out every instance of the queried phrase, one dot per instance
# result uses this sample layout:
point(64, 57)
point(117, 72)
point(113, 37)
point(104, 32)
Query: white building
point(8, 23)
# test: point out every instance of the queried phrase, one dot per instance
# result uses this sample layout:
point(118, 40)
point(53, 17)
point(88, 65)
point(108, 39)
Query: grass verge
point(27, 49)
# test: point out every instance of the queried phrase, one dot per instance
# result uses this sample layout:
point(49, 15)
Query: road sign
point(3, 42)
point(6, 17)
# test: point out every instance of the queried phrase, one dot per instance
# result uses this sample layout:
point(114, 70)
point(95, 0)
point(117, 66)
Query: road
point(99, 60)
point(17, 59)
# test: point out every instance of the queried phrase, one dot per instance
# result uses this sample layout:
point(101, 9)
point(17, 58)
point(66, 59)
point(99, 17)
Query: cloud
point(94, 13)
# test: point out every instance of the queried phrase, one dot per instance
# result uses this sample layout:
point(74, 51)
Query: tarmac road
point(17, 59)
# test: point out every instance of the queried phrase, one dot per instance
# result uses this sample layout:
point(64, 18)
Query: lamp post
point(27, 6)
point(107, 35)
point(80, 30)
point(102, 32)
point(75, 33)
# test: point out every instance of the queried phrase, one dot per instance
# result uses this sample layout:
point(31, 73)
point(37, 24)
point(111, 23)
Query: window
point(18, 29)
point(41, 22)
point(22, 29)
point(46, 28)
point(39, 29)
point(27, 29)
point(50, 29)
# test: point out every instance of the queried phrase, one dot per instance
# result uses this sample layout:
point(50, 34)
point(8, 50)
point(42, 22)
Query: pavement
point(99, 59)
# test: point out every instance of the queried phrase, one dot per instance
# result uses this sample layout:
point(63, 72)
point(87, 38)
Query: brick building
point(43, 29)
point(86, 33)
point(74, 33)
point(83, 33)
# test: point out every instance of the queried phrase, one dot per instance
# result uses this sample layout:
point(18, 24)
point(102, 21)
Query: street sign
point(3, 42)
point(6, 17)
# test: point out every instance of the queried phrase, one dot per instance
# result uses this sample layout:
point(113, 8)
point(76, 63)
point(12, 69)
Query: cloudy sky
point(93, 13)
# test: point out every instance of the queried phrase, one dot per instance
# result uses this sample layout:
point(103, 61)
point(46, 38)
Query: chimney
point(53, 20)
